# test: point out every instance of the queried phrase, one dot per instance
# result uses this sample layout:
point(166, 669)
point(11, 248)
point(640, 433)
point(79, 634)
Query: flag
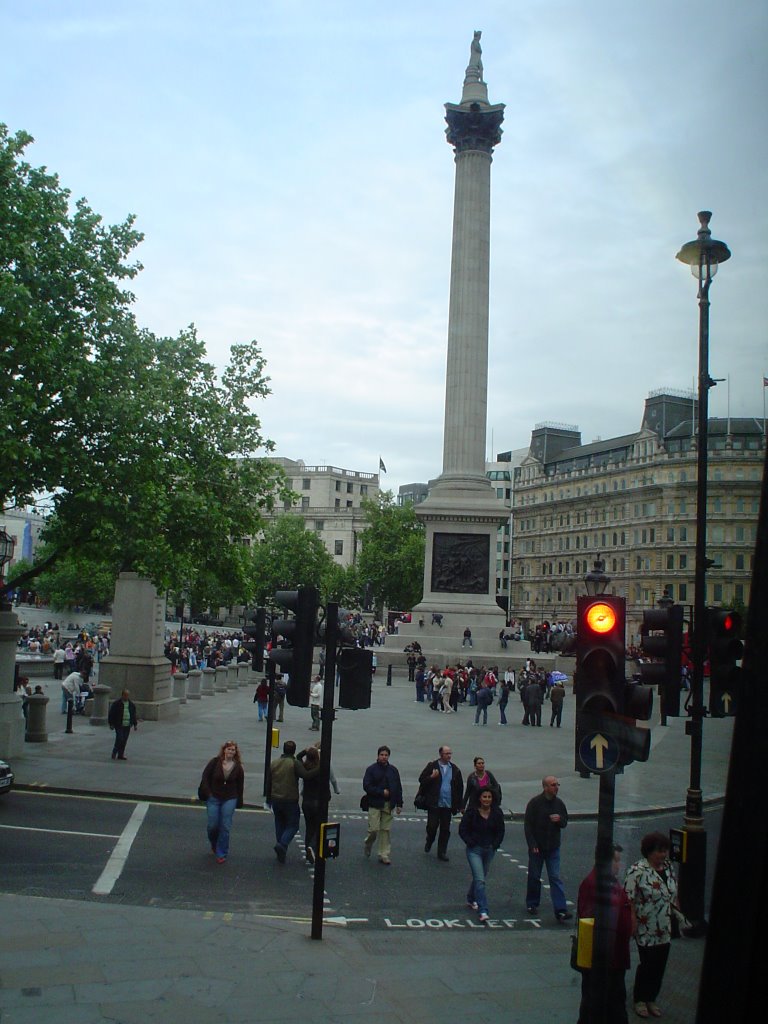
point(383, 468)
point(765, 385)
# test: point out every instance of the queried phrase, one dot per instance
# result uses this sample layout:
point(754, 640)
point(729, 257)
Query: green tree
point(288, 556)
point(146, 457)
point(392, 556)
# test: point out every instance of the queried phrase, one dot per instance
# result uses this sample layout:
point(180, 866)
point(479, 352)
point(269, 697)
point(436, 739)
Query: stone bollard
point(243, 673)
point(194, 678)
point(232, 675)
point(36, 731)
point(100, 712)
point(220, 684)
point(208, 687)
point(180, 687)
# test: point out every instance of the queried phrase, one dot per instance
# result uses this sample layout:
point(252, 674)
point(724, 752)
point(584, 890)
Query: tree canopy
point(392, 556)
point(144, 455)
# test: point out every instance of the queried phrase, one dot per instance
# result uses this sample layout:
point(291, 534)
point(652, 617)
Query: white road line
point(60, 831)
point(116, 862)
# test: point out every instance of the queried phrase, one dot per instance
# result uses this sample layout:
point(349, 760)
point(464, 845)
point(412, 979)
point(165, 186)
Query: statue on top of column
point(474, 71)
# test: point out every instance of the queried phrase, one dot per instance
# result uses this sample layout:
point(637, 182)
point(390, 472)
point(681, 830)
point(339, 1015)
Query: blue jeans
point(287, 819)
point(263, 707)
point(484, 709)
point(479, 859)
point(220, 814)
point(502, 713)
point(536, 862)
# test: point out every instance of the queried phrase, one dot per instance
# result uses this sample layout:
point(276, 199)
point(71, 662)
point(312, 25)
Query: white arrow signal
point(599, 744)
point(344, 921)
point(727, 703)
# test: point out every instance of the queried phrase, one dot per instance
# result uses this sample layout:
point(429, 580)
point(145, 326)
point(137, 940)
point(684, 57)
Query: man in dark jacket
point(381, 783)
point(284, 775)
point(442, 787)
point(545, 818)
point(122, 715)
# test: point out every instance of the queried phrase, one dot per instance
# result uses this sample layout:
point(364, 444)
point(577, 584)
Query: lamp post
point(596, 579)
point(7, 545)
point(703, 255)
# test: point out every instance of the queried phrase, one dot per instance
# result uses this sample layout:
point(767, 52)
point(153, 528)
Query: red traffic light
point(600, 617)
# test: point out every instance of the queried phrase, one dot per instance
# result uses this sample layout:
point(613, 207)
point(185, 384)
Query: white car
point(6, 777)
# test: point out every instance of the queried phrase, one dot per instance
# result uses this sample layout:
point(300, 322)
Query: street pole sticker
point(598, 752)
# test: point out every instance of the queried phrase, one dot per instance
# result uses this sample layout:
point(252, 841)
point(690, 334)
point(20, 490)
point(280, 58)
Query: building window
point(338, 485)
point(319, 525)
point(338, 547)
point(717, 592)
point(739, 561)
point(683, 533)
point(337, 503)
point(363, 488)
point(349, 488)
point(305, 483)
point(682, 592)
point(670, 561)
point(304, 504)
point(683, 561)
point(349, 504)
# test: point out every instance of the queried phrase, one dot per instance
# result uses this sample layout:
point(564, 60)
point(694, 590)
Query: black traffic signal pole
point(270, 719)
point(601, 944)
point(326, 741)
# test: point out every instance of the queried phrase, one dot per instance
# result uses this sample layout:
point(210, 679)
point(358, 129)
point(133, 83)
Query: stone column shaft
point(466, 393)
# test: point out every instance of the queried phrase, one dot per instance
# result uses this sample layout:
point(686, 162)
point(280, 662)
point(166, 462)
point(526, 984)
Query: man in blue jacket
point(381, 783)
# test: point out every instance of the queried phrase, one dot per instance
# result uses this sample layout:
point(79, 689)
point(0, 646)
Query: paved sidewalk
point(88, 962)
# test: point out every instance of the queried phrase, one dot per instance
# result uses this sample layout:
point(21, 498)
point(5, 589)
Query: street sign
point(599, 753)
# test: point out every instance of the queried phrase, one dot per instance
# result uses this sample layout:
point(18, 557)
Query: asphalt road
point(155, 854)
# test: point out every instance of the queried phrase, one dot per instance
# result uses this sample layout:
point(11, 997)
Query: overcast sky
point(288, 166)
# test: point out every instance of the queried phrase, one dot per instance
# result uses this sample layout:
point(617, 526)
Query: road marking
point(116, 862)
point(60, 832)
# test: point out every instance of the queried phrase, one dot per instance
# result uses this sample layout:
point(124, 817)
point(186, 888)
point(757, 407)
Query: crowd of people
point(445, 689)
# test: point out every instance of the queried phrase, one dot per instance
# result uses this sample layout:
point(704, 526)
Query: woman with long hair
point(222, 786)
point(482, 829)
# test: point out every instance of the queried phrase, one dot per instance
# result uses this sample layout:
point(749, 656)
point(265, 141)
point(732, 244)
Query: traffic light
point(297, 637)
point(355, 665)
point(600, 655)
point(662, 638)
point(607, 706)
point(255, 638)
point(725, 649)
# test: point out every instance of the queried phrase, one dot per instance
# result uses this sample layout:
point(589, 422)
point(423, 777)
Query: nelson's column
point(462, 513)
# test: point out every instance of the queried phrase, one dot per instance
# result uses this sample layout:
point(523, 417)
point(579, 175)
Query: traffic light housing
point(297, 639)
point(355, 665)
point(662, 638)
point(606, 704)
point(725, 649)
point(255, 636)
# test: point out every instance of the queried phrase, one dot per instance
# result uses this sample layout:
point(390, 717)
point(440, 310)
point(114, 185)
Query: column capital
point(473, 127)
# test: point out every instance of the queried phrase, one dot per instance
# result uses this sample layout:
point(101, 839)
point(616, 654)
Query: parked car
point(6, 777)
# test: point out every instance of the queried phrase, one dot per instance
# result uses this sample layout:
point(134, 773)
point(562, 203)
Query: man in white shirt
point(315, 702)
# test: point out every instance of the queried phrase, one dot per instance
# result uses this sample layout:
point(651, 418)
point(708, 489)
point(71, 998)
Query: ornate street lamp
point(597, 579)
point(703, 255)
point(7, 544)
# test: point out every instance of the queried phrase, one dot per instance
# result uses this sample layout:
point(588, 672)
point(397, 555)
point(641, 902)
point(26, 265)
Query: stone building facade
point(330, 502)
point(632, 500)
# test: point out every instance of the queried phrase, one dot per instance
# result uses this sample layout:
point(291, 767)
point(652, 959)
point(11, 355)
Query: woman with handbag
point(652, 889)
point(482, 830)
point(222, 789)
point(479, 779)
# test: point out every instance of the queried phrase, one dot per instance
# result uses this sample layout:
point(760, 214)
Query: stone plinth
point(220, 685)
point(180, 687)
point(136, 661)
point(194, 678)
point(36, 713)
point(100, 712)
point(11, 717)
point(208, 686)
point(232, 676)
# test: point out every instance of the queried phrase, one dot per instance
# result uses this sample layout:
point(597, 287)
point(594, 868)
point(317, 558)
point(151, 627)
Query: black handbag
point(420, 802)
point(364, 802)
